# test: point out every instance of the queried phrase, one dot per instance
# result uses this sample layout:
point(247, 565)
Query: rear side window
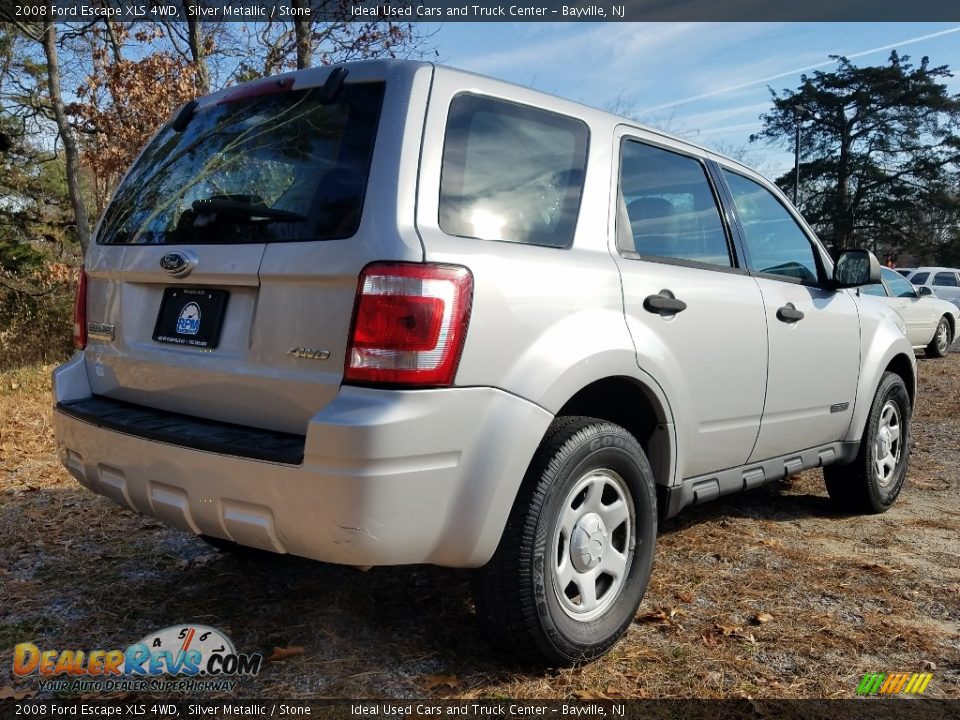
point(278, 166)
point(775, 243)
point(669, 206)
point(511, 172)
point(945, 279)
point(920, 278)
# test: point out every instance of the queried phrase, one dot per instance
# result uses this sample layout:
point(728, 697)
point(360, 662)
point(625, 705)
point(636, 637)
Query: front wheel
point(573, 564)
point(872, 482)
point(942, 338)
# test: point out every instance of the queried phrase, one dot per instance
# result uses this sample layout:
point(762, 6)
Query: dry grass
point(766, 594)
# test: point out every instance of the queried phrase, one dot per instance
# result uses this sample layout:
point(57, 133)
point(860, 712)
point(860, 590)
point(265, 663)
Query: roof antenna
point(331, 88)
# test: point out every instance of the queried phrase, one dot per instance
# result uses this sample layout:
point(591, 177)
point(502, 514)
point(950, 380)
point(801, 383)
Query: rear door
point(225, 270)
point(690, 309)
point(946, 284)
point(814, 332)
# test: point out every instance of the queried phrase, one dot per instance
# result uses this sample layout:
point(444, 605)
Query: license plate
point(191, 316)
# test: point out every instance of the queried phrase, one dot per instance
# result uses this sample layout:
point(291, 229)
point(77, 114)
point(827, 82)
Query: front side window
point(511, 172)
point(279, 166)
point(670, 208)
point(898, 286)
point(775, 243)
point(875, 289)
point(945, 279)
point(920, 278)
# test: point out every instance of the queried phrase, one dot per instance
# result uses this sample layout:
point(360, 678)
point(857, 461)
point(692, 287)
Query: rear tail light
point(80, 312)
point(409, 324)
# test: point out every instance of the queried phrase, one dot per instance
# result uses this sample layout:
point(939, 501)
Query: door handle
point(789, 314)
point(663, 303)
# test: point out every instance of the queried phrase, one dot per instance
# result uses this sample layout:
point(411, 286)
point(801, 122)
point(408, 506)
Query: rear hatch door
point(225, 272)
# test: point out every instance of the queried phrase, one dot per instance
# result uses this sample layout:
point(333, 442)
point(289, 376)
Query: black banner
point(856, 709)
point(486, 10)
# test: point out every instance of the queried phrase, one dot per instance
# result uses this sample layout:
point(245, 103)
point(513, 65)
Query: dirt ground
point(767, 594)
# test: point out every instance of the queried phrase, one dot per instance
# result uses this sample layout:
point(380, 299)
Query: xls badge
point(188, 323)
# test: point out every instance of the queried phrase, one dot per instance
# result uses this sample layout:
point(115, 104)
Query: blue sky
point(704, 81)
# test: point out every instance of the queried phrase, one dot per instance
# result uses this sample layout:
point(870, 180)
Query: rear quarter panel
point(546, 322)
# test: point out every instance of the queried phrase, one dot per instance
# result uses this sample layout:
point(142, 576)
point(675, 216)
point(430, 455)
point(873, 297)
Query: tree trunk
point(66, 133)
point(842, 227)
point(114, 43)
point(303, 29)
point(197, 50)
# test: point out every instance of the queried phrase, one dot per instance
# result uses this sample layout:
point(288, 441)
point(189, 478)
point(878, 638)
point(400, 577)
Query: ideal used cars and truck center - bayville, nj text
point(279, 11)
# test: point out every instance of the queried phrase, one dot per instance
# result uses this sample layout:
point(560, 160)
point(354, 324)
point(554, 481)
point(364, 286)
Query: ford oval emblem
point(177, 264)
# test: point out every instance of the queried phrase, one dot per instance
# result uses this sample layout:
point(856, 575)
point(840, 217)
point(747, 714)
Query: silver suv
point(394, 313)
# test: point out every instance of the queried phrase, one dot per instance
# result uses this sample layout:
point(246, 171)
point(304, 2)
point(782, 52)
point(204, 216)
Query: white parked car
point(931, 321)
point(943, 281)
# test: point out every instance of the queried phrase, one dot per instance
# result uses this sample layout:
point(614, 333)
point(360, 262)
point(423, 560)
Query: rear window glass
point(945, 279)
point(511, 172)
point(275, 167)
point(669, 206)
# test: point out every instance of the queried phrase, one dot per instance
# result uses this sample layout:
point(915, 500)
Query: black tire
point(517, 594)
point(942, 339)
point(858, 486)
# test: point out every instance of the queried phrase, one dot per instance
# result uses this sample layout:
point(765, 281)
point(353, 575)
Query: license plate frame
point(191, 316)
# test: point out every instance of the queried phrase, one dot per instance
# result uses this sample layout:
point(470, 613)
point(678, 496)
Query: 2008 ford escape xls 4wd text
point(391, 313)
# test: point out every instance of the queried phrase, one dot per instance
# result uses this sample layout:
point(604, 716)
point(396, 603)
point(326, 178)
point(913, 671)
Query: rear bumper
point(388, 477)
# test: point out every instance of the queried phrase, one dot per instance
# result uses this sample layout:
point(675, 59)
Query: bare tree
point(303, 32)
point(70, 150)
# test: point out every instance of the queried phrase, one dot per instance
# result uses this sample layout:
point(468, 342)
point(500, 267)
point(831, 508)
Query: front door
point(814, 332)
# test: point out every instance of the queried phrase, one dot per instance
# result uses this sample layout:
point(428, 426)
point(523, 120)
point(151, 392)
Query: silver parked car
point(391, 312)
point(943, 281)
point(931, 322)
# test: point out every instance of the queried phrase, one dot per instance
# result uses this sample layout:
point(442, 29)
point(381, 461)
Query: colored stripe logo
point(894, 683)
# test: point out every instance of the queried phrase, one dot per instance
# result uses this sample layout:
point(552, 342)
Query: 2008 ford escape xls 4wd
point(391, 312)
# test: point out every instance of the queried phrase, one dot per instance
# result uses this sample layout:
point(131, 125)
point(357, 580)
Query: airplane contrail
point(739, 86)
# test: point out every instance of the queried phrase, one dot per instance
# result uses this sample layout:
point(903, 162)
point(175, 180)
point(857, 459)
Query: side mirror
point(924, 291)
point(855, 268)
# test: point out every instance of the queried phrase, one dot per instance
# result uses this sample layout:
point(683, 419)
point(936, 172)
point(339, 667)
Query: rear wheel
point(575, 558)
point(872, 482)
point(942, 338)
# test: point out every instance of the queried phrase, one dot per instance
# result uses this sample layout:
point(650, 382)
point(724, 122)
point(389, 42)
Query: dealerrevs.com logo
point(182, 657)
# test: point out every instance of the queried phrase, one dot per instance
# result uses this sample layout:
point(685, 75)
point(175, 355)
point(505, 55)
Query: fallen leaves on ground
point(280, 653)
point(438, 680)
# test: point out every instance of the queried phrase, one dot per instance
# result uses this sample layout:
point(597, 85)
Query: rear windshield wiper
point(237, 208)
